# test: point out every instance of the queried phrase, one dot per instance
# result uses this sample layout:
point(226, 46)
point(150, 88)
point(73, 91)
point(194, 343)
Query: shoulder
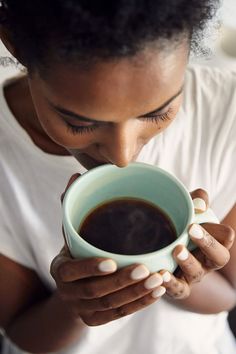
point(210, 99)
point(206, 77)
point(209, 84)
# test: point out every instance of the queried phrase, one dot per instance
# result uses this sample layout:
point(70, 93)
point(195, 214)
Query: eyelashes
point(155, 118)
point(75, 129)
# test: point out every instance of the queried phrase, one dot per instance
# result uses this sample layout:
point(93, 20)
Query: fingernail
point(107, 266)
point(183, 255)
point(159, 292)
point(153, 281)
point(196, 231)
point(166, 277)
point(199, 205)
point(139, 273)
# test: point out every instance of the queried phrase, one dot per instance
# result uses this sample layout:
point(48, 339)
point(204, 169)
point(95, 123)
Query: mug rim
point(69, 228)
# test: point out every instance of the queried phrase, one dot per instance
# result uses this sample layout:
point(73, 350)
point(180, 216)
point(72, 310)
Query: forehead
point(120, 86)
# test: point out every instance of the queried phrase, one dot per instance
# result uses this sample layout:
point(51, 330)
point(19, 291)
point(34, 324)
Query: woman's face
point(107, 113)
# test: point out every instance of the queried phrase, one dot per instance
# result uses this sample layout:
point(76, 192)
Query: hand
point(95, 291)
point(213, 242)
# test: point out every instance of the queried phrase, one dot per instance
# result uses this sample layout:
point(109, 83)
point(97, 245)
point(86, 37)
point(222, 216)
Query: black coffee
point(128, 226)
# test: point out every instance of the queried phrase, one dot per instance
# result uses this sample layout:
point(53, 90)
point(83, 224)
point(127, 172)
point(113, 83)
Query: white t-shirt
point(199, 148)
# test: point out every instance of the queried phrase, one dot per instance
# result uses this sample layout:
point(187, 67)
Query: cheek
point(156, 128)
point(54, 126)
point(58, 131)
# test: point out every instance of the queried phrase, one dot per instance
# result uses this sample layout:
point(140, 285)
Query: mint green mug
point(137, 180)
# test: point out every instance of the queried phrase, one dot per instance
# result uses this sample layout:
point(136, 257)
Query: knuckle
point(175, 284)
point(118, 282)
point(196, 278)
point(180, 294)
point(89, 291)
point(105, 303)
point(189, 264)
point(209, 264)
point(144, 301)
point(136, 291)
point(121, 312)
point(209, 241)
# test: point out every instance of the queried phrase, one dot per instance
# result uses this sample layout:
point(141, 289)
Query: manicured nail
point(107, 266)
point(139, 273)
point(159, 292)
point(166, 277)
point(183, 255)
point(153, 281)
point(196, 231)
point(199, 205)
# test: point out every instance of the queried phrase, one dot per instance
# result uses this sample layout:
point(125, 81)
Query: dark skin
point(117, 95)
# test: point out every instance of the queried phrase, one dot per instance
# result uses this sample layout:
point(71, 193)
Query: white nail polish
point(153, 281)
point(196, 231)
point(183, 255)
point(199, 205)
point(159, 292)
point(139, 273)
point(166, 277)
point(107, 266)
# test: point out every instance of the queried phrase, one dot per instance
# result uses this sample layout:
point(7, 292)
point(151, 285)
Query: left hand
point(213, 242)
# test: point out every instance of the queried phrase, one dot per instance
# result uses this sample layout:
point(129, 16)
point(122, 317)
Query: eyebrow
point(71, 114)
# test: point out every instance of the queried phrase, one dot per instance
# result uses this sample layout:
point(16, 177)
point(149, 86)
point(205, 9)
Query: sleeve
point(224, 148)
point(13, 240)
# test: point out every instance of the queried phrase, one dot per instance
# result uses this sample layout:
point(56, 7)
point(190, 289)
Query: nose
point(121, 145)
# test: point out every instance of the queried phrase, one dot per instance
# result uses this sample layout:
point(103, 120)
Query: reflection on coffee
point(128, 226)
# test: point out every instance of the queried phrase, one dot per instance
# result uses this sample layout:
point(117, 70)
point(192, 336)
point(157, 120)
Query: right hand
point(95, 291)
point(98, 293)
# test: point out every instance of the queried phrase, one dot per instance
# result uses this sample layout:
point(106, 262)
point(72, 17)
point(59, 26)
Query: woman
point(107, 83)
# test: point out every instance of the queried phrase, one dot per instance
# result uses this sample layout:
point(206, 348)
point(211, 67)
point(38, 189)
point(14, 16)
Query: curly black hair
point(85, 30)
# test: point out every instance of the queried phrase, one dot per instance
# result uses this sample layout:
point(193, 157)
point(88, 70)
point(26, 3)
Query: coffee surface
point(128, 226)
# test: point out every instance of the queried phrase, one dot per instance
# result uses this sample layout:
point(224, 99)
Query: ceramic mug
point(137, 180)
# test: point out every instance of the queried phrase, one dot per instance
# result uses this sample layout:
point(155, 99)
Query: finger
point(71, 180)
point(102, 317)
point(176, 288)
point(192, 270)
point(213, 254)
point(222, 233)
point(97, 287)
point(124, 296)
point(200, 200)
point(66, 269)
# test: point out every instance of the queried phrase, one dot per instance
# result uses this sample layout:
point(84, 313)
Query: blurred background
point(220, 39)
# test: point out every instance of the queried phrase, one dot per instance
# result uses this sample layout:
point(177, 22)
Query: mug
point(137, 180)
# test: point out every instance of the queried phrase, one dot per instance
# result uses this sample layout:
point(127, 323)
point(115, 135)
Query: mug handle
point(207, 216)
